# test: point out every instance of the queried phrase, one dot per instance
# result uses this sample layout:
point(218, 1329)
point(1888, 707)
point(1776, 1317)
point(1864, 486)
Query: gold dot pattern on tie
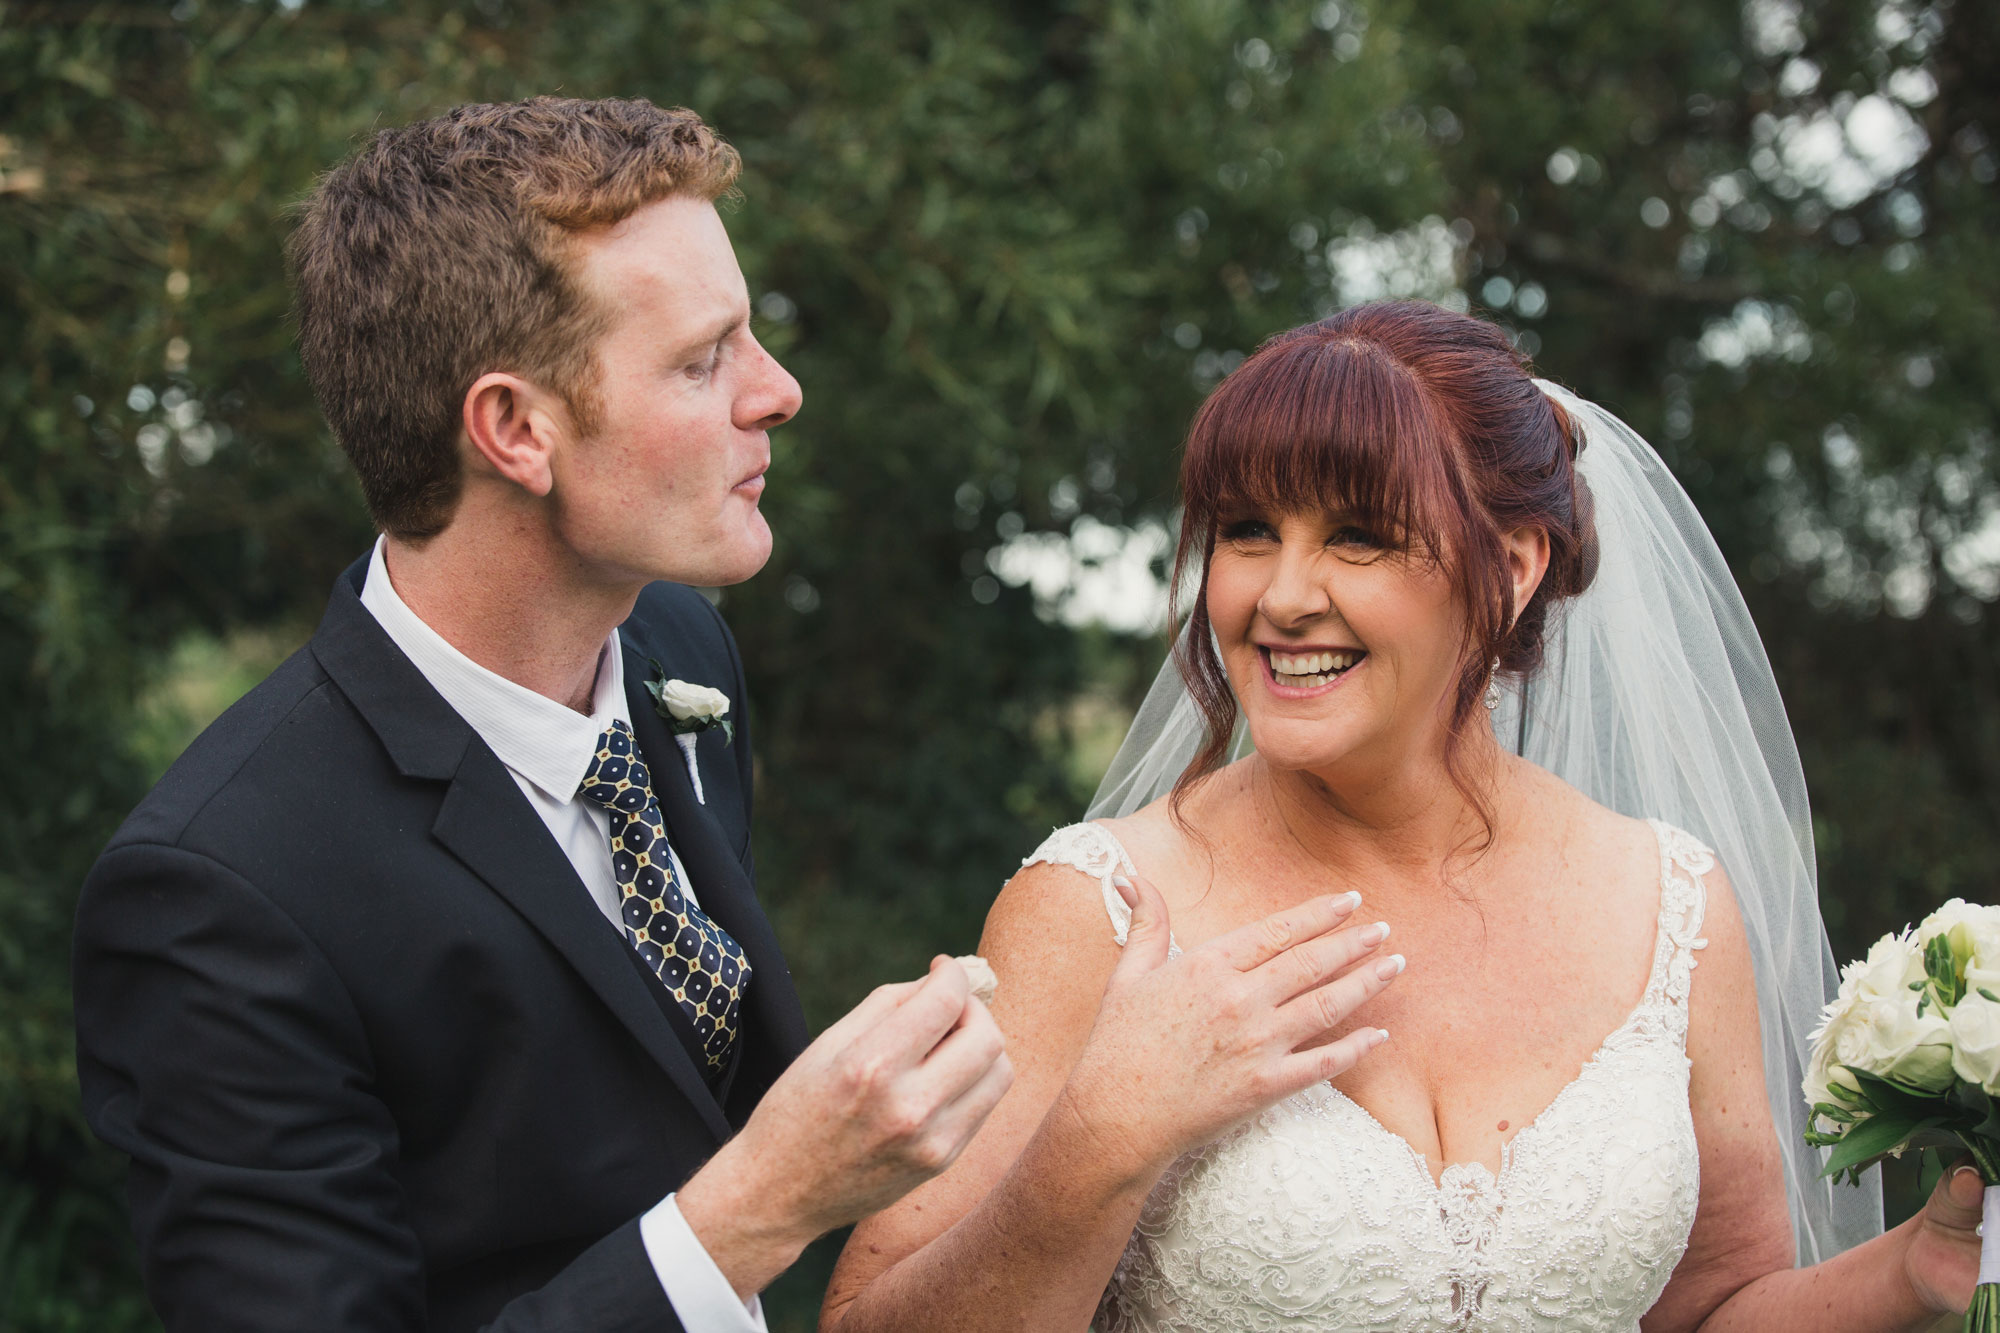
point(698, 962)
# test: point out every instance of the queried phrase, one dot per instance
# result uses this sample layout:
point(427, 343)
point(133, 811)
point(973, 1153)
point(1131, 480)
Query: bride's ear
point(510, 432)
point(1527, 552)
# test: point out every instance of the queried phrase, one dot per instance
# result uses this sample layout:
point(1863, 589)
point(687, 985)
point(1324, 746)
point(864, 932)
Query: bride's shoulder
point(1548, 802)
point(1068, 878)
point(1644, 853)
point(1090, 848)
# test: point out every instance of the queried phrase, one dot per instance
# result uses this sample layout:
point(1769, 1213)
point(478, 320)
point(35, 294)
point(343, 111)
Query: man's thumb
point(1150, 934)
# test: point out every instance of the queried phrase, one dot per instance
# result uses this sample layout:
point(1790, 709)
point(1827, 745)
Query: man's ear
point(1527, 551)
point(512, 432)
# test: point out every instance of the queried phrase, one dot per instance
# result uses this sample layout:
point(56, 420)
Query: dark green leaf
point(1870, 1139)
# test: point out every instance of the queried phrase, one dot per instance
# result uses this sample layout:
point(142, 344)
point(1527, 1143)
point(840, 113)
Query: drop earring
point(1493, 686)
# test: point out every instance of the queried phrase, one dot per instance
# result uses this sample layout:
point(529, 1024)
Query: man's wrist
point(749, 1231)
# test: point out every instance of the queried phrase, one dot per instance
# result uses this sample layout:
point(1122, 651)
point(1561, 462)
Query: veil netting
point(1655, 698)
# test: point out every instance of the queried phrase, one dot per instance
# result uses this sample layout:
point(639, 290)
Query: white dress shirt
point(548, 748)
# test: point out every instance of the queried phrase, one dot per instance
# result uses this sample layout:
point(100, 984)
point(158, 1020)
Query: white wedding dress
point(1314, 1216)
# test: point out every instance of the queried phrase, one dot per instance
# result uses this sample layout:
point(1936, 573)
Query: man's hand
point(886, 1099)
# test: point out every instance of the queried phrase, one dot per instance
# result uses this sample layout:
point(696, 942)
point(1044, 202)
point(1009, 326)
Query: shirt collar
point(533, 735)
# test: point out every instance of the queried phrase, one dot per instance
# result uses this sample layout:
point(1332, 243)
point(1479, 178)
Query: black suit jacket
point(378, 1059)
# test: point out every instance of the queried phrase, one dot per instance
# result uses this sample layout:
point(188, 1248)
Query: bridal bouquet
point(1907, 1055)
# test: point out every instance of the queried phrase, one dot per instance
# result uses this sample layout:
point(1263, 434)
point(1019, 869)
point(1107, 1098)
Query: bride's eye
point(1248, 530)
point(1357, 536)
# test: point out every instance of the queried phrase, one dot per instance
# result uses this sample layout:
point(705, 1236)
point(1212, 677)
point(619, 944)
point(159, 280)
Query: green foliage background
point(1006, 248)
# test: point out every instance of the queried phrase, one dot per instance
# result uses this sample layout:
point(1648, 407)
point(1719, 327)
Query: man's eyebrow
point(715, 333)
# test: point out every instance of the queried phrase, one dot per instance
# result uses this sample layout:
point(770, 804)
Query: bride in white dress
point(1580, 1121)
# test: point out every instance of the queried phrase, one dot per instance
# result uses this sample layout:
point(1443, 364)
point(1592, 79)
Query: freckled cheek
point(1410, 628)
point(1233, 591)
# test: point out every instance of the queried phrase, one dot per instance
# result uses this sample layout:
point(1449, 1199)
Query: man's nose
point(773, 398)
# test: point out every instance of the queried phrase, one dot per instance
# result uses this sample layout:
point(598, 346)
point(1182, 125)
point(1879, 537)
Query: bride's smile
point(1307, 673)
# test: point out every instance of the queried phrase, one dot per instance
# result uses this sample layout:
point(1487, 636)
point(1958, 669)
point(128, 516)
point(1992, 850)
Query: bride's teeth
point(1307, 670)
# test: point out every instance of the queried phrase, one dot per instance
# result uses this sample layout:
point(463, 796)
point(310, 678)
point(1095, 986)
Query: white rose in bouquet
point(1895, 1041)
point(1823, 1077)
point(1975, 1041)
point(1892, 966)
point(1873, 1024)
point(1973, 931)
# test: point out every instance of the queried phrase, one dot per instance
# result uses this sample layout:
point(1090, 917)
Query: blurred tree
point(1005, 249)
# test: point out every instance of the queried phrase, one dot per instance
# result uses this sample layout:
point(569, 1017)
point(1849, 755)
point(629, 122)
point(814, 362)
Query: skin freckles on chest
point(1483, 1044)
point(1513, 982)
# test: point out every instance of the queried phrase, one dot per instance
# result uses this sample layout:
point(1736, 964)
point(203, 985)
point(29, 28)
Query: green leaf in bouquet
point(1972, 1097)
point(1930, 1172)
point(1978, 1113)
point(1942, 968)
point(1889, 1095)
point(1873, 1139)
point(1989, 995)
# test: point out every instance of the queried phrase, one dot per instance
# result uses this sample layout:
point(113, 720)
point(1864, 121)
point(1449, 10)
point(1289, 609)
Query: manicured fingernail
point(1381, 1035)
point(1376, 933)
point(1347, 902)
point(1392, 966)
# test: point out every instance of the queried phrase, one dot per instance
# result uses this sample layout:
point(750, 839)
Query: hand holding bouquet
point(1907, 1055)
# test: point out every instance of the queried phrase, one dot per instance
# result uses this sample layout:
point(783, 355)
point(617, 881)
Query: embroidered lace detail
point(1314, 1216)
point(1096, 851)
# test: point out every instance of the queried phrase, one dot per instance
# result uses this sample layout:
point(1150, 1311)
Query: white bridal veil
point(1655, 699)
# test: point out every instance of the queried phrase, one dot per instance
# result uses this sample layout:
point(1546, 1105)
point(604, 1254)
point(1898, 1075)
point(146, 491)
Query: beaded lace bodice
point(1314, 1216)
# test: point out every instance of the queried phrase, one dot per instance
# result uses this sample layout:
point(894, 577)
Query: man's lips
point(753, 485)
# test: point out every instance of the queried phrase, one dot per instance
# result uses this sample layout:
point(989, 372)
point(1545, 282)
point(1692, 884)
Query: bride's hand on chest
point(1187, 1044)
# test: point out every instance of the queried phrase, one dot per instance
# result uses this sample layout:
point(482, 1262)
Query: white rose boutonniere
point(688, 710)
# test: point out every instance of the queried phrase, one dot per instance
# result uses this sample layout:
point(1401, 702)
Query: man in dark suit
point(429, 990)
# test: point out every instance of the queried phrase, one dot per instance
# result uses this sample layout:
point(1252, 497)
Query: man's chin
point(725, 561)
point(755, 549)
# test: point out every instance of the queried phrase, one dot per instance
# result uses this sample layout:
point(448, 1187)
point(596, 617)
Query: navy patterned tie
point(696, 960)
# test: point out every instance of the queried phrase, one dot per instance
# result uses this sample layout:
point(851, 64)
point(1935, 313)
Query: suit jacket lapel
point(720, 885)
point(488, 824)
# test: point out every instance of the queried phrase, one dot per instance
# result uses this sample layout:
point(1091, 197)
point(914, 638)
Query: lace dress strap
point(1684, 859)
point(1095, 851)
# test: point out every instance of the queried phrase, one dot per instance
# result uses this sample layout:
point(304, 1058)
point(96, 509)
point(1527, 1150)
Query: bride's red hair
point(1425, 423)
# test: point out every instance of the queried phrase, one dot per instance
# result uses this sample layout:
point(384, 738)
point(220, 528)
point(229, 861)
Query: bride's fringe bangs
point(1312, 425)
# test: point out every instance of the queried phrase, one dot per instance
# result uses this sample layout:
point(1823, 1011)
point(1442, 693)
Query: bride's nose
point(1298, 591)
